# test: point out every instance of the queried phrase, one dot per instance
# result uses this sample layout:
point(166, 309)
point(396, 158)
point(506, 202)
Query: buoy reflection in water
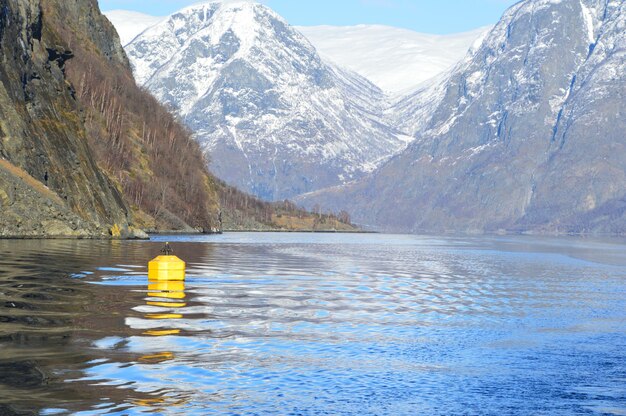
point(169, 295)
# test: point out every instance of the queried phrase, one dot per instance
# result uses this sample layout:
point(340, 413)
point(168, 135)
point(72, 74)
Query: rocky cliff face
point(526, 134)
point(137, 142)
point(49, 177)
point(276, 119)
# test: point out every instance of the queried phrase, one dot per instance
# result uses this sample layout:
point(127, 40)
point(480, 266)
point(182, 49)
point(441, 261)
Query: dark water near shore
point(315, 324)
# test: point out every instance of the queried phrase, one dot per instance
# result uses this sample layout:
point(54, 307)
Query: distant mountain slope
point(276, 119)
point(129, 24)
point(527, 134)
point(396, 60)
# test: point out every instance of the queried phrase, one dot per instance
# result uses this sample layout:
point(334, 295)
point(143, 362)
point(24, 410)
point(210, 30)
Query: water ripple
point(316, 324)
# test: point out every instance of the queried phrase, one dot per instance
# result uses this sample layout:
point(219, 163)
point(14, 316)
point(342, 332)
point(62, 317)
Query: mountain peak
point(277, 119)
point(238, 7)
point(221, 3)
point(229, 31)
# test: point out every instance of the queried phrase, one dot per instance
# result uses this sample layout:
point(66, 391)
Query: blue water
point(329, 324)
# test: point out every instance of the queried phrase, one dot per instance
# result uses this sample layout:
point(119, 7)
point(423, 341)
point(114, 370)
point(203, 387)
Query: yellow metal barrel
point(169, 268)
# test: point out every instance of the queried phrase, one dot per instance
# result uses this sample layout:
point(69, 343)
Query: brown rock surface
point(47, 165)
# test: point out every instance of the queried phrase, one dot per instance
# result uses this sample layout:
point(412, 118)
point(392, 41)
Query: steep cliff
point(149, 155)
point(85, 152)
point(46, 161)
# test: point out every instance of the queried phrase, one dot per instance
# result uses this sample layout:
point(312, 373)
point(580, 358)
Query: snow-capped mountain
point(276, 119)
point(527, 133)
point(129, 24)
point(396, 60)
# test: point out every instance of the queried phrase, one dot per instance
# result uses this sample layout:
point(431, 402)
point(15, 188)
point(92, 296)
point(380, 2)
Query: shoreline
point(304, 231)
point(263, 231)
point(171, 232)
point(425, 234)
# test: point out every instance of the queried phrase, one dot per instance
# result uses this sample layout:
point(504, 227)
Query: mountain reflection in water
point(315, 324)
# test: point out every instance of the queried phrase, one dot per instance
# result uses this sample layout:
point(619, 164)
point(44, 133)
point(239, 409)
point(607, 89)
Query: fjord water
point(315, 324)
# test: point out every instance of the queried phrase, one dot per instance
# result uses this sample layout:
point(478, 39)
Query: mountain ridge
point(525, 135)
point(511, 139)
point(357, 48)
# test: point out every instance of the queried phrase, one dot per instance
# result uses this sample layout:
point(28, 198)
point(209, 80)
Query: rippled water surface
point(315, 324)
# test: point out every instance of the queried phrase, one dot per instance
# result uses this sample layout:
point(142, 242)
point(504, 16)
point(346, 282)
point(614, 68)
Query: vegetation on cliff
point(150, 157)
point(51, 185)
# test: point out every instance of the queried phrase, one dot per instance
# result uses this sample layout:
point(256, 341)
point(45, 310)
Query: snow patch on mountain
point(396, 60)
point(129, 24)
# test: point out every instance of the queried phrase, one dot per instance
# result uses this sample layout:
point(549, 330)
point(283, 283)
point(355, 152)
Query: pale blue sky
point(430, 16)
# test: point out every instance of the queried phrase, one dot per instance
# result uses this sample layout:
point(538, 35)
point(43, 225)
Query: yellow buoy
point(166, 267)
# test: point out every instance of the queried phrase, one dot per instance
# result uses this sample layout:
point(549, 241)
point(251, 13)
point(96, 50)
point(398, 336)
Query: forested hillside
point(136, 141)
point(242, 211)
